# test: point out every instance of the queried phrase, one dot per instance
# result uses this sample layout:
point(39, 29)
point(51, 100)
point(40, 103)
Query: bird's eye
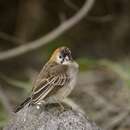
point(60, 56)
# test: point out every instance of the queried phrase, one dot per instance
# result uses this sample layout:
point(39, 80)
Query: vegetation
point(99, 41)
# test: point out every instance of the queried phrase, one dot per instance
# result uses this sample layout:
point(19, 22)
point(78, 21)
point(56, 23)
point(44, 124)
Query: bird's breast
point(67, 89)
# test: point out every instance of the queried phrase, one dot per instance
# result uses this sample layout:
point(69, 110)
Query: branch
point(10, 38)
point(71, 5)
point(50, 36)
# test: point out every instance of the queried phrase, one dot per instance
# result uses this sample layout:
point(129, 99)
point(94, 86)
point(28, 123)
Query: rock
point(50, 117)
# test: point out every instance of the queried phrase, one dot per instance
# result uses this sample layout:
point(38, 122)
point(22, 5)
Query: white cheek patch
point(59, 59)
point(66, 58)
point(66, 62)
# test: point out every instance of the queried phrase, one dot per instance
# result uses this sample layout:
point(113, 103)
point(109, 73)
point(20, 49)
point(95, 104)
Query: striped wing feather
point(48, 86)
point(51, 78)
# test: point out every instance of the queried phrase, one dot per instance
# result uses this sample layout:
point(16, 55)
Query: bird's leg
point(60, 104)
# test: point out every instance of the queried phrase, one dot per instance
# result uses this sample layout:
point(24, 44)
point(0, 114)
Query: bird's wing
point(48, 86)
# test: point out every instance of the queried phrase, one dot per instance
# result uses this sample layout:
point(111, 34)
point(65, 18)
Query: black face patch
point(66, 52)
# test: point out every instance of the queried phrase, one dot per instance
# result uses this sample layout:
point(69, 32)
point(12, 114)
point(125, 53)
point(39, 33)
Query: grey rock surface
point(50, 117)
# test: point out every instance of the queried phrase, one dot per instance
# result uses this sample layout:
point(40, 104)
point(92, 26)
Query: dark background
point(99, 43)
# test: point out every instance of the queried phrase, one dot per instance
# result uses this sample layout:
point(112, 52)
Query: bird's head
point(62, 55)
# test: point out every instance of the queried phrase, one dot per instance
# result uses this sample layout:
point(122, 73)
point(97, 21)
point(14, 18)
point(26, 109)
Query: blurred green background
point(99, 43)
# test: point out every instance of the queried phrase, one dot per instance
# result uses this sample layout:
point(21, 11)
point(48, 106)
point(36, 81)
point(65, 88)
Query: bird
point(55, 81)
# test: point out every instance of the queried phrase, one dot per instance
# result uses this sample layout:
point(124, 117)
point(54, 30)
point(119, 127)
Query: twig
point(104, 113)
point(73, 104)
point(50, 36)
point(5, 102)
point(10, 38)
point(101, 19)
point(125, 122)
point(99, 99)
point(71, 5)
point(116, 121)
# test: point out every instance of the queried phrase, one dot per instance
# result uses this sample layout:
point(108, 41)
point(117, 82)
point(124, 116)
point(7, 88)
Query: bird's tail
point(26, 101)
